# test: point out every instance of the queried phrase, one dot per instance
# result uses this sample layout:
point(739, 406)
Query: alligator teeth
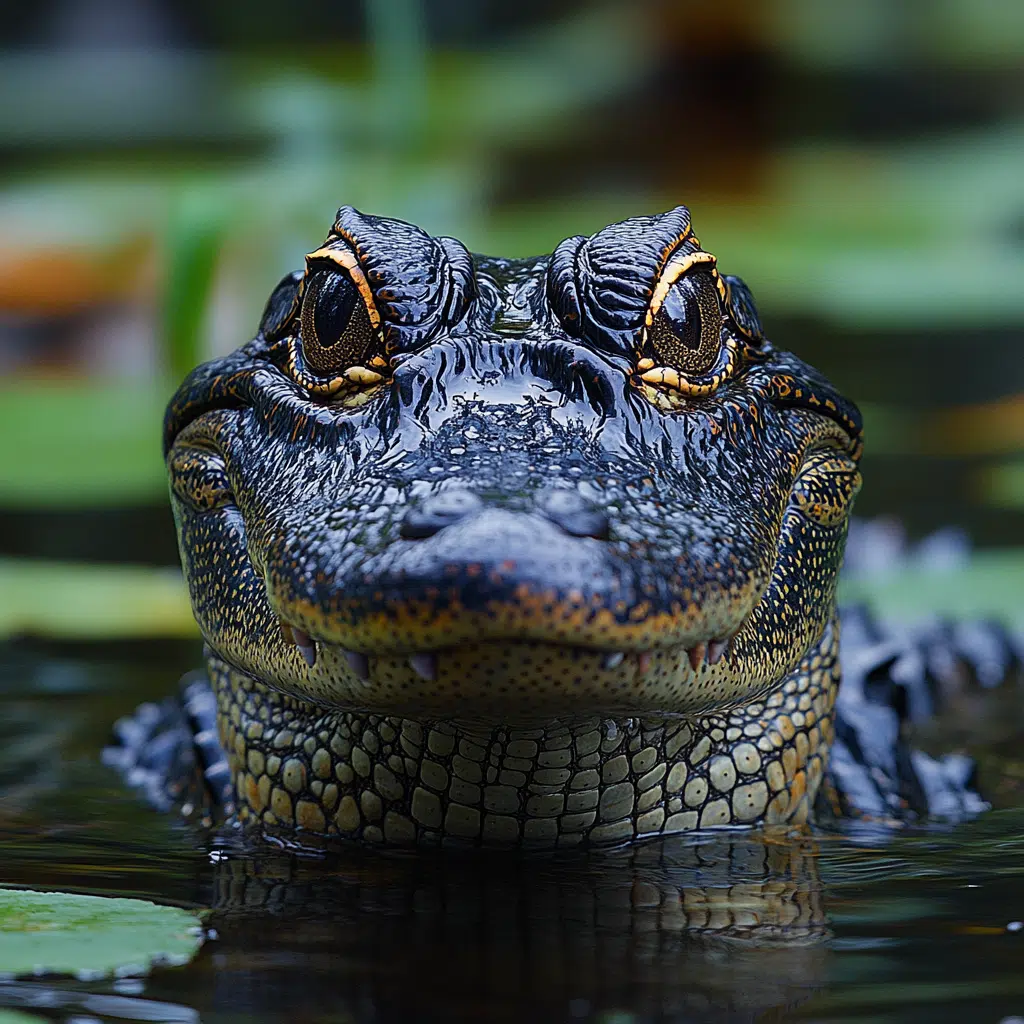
point(305, 644)
point(302, 640)
point(613, 660)
point(716, 648)
point(424, 665)
point(359, 663)
point(696, 655)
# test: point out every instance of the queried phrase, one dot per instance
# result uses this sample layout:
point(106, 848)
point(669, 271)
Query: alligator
point(519, 553)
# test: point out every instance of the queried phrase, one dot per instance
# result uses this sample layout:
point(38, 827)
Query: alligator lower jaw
point(488, 780)
point(425, 663)
point(518, 680)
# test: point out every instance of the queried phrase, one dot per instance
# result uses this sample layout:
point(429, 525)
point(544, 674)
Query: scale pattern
point(384, 779)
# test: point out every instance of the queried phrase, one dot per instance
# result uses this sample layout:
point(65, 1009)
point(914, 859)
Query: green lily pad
point(91, 936)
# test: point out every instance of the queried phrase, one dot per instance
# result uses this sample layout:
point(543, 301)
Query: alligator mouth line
point(425, 663)
point(431, 663)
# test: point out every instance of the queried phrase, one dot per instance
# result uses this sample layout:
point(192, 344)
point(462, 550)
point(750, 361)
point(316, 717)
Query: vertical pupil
point(334, 298)
point(682, 310)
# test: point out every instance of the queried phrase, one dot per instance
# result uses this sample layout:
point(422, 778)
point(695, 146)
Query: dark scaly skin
point(552, 594)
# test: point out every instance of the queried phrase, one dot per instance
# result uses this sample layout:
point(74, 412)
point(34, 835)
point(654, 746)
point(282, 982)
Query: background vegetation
point(162, 164)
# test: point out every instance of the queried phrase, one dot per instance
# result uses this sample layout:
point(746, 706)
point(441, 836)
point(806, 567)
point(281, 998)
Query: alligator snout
point(431, 515)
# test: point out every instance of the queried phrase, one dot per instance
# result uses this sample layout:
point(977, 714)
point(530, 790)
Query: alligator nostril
point(574, 514)
point(436, 512)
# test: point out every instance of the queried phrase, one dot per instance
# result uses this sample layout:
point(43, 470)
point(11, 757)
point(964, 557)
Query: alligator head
point(441, 486)
point(512, 488)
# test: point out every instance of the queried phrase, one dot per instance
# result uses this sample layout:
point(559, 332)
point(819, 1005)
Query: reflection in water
point(719, 923)
point(700, 926)
point(739, 925)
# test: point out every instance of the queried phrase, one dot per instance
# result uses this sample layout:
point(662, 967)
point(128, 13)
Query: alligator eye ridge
point(333, 347)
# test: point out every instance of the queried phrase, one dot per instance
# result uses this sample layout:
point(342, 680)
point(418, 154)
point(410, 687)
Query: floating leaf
point(90, 936)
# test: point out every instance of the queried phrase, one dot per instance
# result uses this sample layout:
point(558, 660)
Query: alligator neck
point(402, 782)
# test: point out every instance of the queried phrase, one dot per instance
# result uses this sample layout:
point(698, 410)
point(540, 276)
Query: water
point(903, 927)
point(869, 925)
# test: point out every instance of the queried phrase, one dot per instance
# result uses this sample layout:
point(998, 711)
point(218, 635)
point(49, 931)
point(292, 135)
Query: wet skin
point(515, 552)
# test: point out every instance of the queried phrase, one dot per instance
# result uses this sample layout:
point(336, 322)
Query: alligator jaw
point(479, 671)
point(483, 780)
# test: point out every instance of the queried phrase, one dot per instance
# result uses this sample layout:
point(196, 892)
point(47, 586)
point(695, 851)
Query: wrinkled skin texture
point(506, 571)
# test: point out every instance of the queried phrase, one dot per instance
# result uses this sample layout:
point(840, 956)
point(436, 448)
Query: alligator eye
point(685, 330)
point(334, 323)
point(686, 348)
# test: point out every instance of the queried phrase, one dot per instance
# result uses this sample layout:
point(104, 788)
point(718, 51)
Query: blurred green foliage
point(1002, 484)
point(990, 585)
point(80, 601)
point(194, 238)
point(900, 234)
point(80, 446)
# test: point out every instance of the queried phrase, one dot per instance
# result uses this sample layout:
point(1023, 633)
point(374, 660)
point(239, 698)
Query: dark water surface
point(736, 926)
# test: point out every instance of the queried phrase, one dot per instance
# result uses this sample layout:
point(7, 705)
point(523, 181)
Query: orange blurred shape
point(61, 280)
point(987, 428)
